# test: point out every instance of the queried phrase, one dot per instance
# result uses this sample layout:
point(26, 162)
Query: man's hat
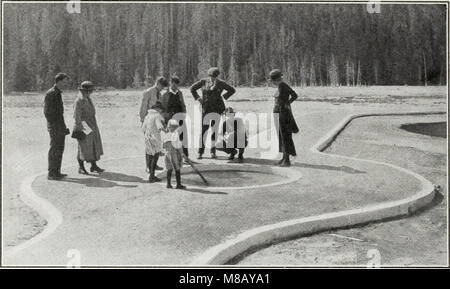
point(213, 71)
point(86, 86)
point(275, 74)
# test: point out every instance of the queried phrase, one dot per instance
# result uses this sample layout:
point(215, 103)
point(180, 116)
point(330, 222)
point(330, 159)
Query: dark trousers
point(55, 153)
point(184, 140)
point(215, 131)
point(152, 160)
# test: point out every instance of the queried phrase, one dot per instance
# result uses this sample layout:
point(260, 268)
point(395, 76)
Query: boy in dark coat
point(173, 104)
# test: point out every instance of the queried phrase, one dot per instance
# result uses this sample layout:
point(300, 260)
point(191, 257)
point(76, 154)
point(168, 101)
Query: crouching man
point(233, 136)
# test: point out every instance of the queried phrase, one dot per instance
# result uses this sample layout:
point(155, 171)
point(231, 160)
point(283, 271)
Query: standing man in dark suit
point(212, 105)
point(54, 113)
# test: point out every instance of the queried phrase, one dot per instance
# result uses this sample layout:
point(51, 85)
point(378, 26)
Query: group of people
point(162, 115)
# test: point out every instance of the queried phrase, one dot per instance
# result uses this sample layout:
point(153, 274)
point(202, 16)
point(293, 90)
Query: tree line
point(124, 45)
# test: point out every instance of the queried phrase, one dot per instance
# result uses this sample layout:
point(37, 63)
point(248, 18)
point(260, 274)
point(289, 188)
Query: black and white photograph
point(224, 134)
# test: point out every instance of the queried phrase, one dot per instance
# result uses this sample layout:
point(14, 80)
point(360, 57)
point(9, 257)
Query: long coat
point(212, 94)
point(152, 127)
point(286, 122)
point(54, 110)
point(90, 148)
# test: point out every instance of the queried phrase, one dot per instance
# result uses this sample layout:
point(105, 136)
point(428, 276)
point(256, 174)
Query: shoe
point(158, 168)
point(241, 158)
point(285, 164)
point(53, 178)
point(180, 187)
point(61, 175)
point(97, 169)
point(280, 161)
point(200, 156)
point(169, 186)
point(231, 157)
point(213, 156)
point(82, 171)
point(153, 179)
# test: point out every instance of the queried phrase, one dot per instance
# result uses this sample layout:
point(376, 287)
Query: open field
point(414, 95)
point(25, 145)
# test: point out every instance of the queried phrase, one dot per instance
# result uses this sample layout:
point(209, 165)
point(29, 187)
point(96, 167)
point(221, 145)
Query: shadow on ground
point(95, 183)
point(344, 169)
point(106, 180)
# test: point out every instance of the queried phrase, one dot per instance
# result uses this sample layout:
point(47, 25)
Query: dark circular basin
point(437, 129)
point(231, 178)
point(237, 176)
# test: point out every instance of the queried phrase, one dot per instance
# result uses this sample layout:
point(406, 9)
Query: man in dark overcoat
point(56, 126)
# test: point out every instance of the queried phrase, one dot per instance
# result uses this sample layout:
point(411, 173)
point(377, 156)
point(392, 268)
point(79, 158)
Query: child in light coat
point(174, 153)
point(152, 127)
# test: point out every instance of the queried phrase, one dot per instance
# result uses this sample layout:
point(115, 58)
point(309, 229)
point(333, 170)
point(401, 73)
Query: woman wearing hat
point(284, 97)
point(90, 146)
point(212, 104)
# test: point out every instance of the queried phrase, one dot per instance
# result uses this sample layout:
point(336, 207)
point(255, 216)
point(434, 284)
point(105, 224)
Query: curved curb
point(44, 208)
point(290, 174)
point(222, 253)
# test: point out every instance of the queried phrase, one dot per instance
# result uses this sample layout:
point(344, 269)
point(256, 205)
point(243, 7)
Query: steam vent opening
point(231, 178)
point(242, 176)
point(436, 129)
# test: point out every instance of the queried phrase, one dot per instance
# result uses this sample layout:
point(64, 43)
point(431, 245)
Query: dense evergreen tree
point(128, 45)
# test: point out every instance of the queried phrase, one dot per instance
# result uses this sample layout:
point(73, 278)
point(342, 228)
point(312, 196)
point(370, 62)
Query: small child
point(152, 126)
point(174, 153)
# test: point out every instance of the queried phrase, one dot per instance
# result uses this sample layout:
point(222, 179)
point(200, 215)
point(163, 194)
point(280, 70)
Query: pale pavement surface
point(119, 219)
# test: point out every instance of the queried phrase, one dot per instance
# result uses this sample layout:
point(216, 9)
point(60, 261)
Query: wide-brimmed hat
point(86, 86)
point(214, 71)
point(276, 74)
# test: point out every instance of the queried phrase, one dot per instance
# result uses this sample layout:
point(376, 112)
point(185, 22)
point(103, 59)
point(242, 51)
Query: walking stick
point(196, 170)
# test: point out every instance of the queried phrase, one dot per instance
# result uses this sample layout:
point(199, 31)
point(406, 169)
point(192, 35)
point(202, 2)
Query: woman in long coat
point(90, 148)
point(284, 97)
